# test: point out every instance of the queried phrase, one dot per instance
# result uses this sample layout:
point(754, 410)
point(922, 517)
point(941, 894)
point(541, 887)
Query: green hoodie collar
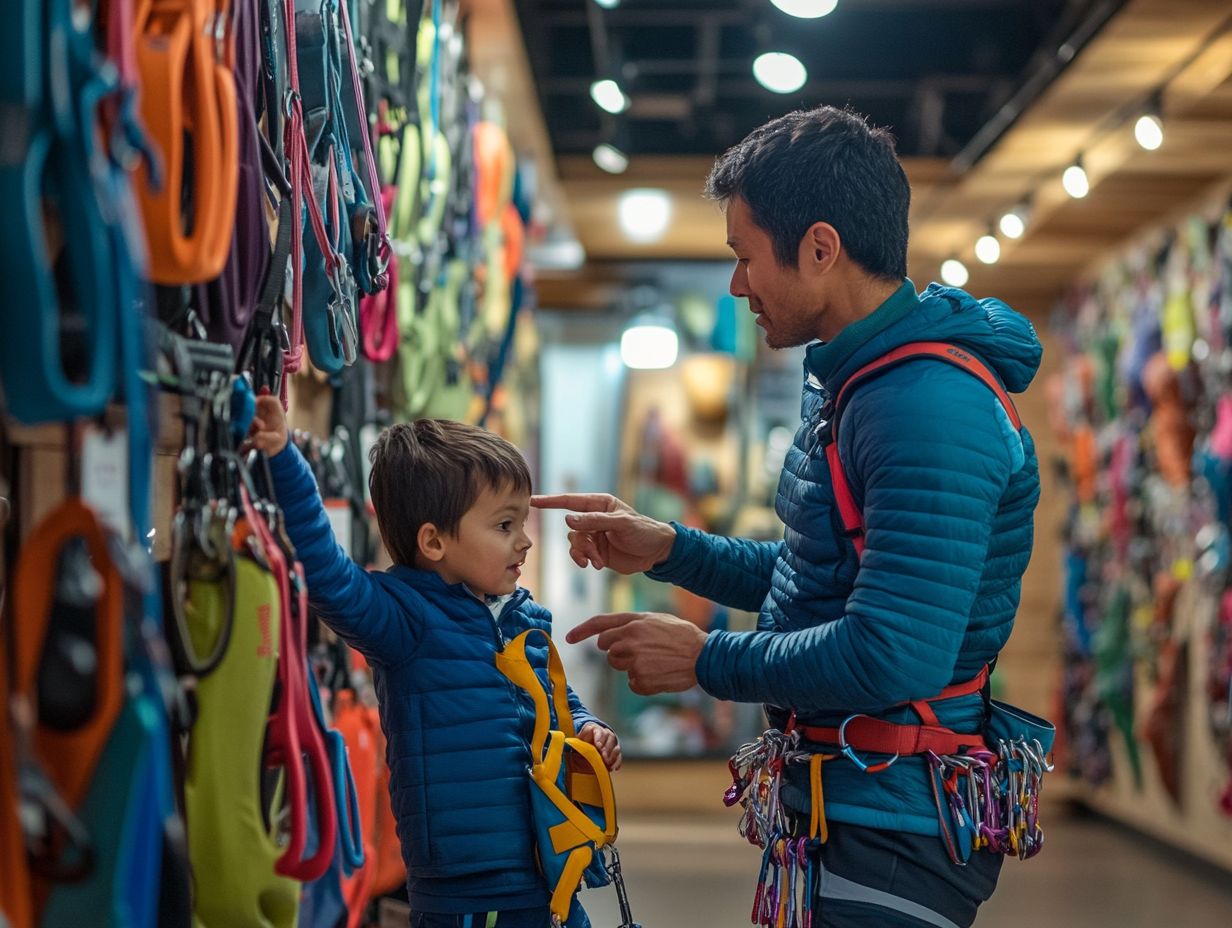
point(825, 359)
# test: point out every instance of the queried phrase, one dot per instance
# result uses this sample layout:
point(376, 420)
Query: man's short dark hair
point(433, 470)
point(822, 165)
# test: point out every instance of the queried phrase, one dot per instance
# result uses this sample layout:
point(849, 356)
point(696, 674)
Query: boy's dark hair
point(822, 165)
point(433, 470)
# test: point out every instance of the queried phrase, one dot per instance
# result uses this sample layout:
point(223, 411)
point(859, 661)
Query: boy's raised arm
point(342, 592)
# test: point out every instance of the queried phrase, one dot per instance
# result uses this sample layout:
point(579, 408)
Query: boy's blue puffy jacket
point(948, 490)
point(458, 733)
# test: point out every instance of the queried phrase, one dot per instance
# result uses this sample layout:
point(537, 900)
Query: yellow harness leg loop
point(573, 799)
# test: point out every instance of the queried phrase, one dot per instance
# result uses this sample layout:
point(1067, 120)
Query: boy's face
point(489, 548)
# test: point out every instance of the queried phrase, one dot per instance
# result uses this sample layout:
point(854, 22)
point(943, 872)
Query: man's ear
point(431, 542)
point(819, 248)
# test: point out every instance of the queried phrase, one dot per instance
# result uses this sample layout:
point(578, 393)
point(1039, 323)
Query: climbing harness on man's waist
point(985, 785)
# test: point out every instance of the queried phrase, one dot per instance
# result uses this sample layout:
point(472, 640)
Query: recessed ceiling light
point(1014, 223)
point(1075, 180)
point(610, 158)
point(988, 249)
point(954, 272)
point(608, 95)
point(1149, 131)
point(644, 214)
point(806, 9)
point(780, 72)
point(649, 347)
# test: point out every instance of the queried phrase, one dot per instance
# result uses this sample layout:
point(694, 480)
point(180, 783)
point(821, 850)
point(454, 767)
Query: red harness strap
point(869, 735)
point(863, 733)
point(853, 518)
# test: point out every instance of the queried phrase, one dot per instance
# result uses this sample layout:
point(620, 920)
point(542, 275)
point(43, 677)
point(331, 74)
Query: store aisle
point(696, 872)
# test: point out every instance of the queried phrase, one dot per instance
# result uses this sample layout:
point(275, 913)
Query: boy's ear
point(431, 542)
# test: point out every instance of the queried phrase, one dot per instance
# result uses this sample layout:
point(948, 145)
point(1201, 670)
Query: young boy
point(451, 501)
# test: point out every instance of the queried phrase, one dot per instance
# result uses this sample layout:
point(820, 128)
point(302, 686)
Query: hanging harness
point(185, 53)
point(571, 789)
point(231, 839)
point(985, 784)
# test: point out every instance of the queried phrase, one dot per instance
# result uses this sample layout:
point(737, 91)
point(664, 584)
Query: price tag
point(104, 478)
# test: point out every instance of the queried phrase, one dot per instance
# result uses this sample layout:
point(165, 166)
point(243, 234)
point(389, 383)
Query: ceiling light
point(1075, 180)
point(608, 4)
point(988, 249)
point(557, 253)
point(1149, 131)
point(644, 214)
point(954, 272)
point(806, 9)
point(611, 158)
point(649, 346)
point(609, 96)
point(779, 72)
point(1014, 223)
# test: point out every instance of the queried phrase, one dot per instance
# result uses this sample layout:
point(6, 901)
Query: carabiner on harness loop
point(851, 755)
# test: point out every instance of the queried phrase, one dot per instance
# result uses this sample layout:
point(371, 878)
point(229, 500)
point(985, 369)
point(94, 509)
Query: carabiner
point(852, 756)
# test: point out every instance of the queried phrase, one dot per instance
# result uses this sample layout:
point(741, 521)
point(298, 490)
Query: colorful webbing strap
point(185, 54)
point(852, 516)
point(71, 755)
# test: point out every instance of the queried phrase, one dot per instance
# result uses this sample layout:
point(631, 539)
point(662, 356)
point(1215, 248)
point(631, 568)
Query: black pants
point(883, 879)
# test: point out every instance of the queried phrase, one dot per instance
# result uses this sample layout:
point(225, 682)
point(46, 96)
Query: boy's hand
point(268, 431)
point(605, 742)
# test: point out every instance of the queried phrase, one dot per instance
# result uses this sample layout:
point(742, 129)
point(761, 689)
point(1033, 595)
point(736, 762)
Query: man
point(945, 483)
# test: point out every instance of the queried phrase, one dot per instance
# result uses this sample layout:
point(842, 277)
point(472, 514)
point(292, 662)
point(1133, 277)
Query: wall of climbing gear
point(209, 199)
point(1143, 411)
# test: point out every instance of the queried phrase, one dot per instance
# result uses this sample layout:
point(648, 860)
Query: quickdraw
point(202, 554)
point(781, 897)
point(991, 800)
point(378, 317)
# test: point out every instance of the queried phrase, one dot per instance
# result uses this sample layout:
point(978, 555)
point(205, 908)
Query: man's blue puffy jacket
point(948, 490)
point(458, 732)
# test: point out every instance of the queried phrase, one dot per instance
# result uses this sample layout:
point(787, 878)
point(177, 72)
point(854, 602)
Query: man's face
point(785, 309)
point(490, 546)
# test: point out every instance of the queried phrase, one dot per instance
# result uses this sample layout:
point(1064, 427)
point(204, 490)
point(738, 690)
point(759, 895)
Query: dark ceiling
point(934, 71)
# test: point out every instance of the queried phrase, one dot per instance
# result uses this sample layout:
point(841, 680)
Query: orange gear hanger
point(185, 55)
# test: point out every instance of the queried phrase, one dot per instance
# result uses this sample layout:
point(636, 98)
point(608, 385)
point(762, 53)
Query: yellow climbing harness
point(572, 797)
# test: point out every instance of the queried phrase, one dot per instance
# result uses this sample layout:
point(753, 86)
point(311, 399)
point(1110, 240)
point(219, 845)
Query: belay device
point(571, 791)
